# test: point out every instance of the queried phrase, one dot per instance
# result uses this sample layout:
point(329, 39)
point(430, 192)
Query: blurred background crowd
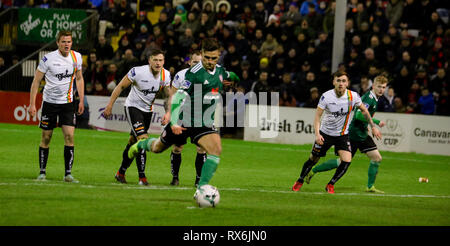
point(279, 46)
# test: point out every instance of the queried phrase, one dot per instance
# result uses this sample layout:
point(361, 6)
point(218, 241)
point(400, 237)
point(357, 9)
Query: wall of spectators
point(283, 46)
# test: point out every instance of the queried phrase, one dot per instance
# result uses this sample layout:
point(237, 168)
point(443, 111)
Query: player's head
point(379, 85)
point(210, 53)
point(64, 42)
point(340, 81)
point(156, 60)
point(195, 58)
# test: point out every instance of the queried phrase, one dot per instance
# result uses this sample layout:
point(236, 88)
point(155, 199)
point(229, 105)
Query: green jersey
point(204, 89)
point(358, 128)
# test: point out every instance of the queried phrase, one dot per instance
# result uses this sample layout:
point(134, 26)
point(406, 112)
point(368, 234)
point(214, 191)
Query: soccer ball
point(207, 196)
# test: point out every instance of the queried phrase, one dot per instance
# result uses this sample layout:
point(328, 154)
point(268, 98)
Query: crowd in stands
point(286, 46)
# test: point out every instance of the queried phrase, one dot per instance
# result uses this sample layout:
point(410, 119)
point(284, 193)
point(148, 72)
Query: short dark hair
point(156, 52)
point(339, 74)
point(63, 33)
point(210, 44)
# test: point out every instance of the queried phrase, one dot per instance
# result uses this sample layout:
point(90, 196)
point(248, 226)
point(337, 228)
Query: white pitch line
point(155, 187)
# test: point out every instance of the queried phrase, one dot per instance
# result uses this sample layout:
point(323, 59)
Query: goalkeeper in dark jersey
point(195, 101)
point(359, 137)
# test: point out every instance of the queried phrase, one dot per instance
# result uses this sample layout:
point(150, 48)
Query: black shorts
point(339, 142)
point(138, 120)
point(364, 146)
point(195, 133)
point(53, 115)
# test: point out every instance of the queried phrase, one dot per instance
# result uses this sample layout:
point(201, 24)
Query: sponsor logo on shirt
point(61, 76)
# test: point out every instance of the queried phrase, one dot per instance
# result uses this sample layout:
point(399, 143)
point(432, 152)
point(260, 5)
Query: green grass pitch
point(254, 180)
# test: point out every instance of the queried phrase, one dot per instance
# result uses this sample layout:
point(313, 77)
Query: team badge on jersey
point(186, 84)
point(44, 59)
point(221, 78)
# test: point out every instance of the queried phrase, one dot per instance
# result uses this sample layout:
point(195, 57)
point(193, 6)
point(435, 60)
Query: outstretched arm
point(124, 83)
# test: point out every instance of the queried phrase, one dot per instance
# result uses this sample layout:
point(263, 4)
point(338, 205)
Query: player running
point(61, 68)
point(359, 137)
point(175, 154)
point(338, 104)
point(145, 81)
point(200, 90)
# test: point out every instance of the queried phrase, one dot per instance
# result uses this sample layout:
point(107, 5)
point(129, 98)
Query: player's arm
point(375, 132)
point(124, 83)
point(38, 76)
point(319, 137)
point(169, 91)
point(175, 108)
point(359, 116)
point(231, 76)
point(80, 89)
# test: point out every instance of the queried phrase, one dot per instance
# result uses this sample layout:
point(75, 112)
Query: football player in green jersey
point(359, 137)
point(196, 101)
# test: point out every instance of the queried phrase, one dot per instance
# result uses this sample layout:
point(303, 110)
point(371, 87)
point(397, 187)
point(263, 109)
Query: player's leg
point(175, 163)
point(67, 120)
point(199, 161)
point(212, 144)
point(323, 167)
point(317, 152)
point(126, 161)
point(345, 158)
point(330, 164)
point(141, 160)
point(44, 147)
point(375, 160)
point(344, 150)
point(69, 152)
point(47, 124)
point(158, 145)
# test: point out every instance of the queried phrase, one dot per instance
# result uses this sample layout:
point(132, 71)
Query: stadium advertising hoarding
point(14, 108)
point(118, 120)
point(42, 25)
point(402, 133)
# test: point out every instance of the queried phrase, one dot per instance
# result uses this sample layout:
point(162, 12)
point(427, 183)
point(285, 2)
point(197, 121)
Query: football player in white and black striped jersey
point(145, 81)
point(61, 68)
point(336, 106)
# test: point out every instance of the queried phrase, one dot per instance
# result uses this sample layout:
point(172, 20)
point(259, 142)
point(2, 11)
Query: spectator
point(411, 11)
point(421, 78)
point(143, 20)
point(125, 15)
point(260, 14)
point(107, 19)
point(426, 102)
point(439, 81)
point(443, 103)
point(328, 19)
point(313, 99)
point(291, 17)
point(287, 99)
point(269, 45)
point(104, 50)
point(163, 22)
point(386, 102)
point(394, 11)
point(436, 57)
point(398, 105)
point(128, 61)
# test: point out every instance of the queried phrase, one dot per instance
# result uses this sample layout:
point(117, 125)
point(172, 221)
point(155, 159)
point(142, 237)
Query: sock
point(307, 166)
point(326, 166)
point(199, 160)
point(146, 144)
point(126, 162)
point(141, 158)
point(340, 171)
point(175, 163)
point(373, 170)
point(68, 158)
point(208, 169)
point(43, 157)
